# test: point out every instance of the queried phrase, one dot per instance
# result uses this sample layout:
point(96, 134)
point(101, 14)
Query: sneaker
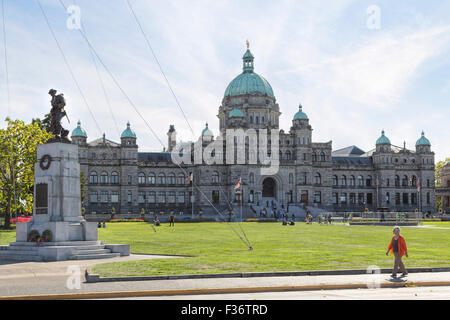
point(404, 274)
point(393, 275)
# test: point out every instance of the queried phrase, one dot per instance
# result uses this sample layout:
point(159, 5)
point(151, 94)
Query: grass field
point(217, 249)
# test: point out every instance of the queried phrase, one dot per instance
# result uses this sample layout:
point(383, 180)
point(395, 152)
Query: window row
point(143, 197)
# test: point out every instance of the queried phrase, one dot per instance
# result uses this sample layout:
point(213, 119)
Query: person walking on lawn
point(398, 249)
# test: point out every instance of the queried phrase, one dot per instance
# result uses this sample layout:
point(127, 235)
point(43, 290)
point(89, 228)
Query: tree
point(437, 176)
point(18, 144)
point(43, 124)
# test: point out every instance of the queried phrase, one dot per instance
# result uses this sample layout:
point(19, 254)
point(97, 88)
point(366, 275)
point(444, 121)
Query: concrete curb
point(92, 278)
point(177, 292)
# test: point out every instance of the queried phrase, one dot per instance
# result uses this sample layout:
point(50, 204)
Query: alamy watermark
point(73, 282)
point(73, 22)
point(374, 17)
point(239, 146)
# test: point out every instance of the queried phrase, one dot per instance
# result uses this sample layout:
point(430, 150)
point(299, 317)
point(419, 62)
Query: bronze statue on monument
point(57, 114)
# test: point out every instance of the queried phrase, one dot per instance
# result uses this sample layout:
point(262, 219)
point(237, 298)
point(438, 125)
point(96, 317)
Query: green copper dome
point(207, 132)
point(248, 82)
point(300, 115)
point(79, 131)
point(423, 141)
point(236, 113)
point(383, 139)
point(128, 133)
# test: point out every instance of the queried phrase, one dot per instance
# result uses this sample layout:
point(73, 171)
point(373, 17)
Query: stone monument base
point(58, 251)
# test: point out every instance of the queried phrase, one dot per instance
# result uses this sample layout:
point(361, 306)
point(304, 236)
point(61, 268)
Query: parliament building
point(311, 175)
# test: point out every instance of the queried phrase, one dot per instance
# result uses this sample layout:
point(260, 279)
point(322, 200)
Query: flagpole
point(192, 197)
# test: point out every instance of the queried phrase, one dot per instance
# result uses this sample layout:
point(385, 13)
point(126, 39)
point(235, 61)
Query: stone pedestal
point(57, 212)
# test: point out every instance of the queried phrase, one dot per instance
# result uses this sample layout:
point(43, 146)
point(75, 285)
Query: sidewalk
point(48, 280)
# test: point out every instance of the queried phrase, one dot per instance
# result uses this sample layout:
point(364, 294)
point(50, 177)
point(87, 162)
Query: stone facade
point(444, 190)
point(310, 173)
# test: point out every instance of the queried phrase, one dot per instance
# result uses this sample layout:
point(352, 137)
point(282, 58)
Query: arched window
point(93, 178)
point(251, 178)
point(317, 178)
point(171, 178)
point(405, 181)
point(352, 181)
point(413, 181)
point(291, 178)
point(314, 157)
point(288, 155)
point(335, 181)
point(322, 157)
point(369, 181)
point(181, 179)
point(215, 177)
point(161, 178)
point(141, 178)
point(114, 178)
point(151, 178)
point(360, 181)
point(280, 155)
point(104, 178)
point(397, 181)
point(343, 181)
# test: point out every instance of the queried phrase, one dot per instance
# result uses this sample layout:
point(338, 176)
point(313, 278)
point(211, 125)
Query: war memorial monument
point(57, 230)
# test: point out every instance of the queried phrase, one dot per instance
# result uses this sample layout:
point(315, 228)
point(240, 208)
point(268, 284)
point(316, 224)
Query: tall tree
point(18, 144)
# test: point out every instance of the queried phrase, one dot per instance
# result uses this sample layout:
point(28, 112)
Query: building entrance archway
point(269, 188)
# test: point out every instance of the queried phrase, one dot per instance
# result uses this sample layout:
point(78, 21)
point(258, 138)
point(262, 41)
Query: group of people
point(101, 225)
point(171, 220)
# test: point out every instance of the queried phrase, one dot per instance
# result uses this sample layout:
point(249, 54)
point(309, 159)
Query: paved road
point(418, 293)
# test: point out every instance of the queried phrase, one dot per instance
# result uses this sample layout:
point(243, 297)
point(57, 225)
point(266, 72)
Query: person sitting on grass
point(398, 249)
point(291, 223)
point(284, 223)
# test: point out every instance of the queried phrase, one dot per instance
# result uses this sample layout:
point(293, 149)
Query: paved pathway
point(49, 278)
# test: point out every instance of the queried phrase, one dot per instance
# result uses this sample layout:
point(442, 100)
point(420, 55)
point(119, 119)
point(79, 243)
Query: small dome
point(300, 115)
point(79, 131)
point(236, 113)
point(423, 141)
point(383, 139)
point(128, 133)
point(206, 132)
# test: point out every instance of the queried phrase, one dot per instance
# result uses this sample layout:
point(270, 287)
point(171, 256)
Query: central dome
point(248, 82)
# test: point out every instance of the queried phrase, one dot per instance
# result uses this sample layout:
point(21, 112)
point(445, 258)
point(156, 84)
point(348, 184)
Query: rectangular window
point(114, 197)
point(104, 196)
point(343, 198)
point(369, 198)
point(181, 197)
point(360, 198)
point(141, 197)
point(161, 197)
point(413, 198)
point(215, 196)
point(129, 180)
point(428, 198)
point(405, 198)
point(93, 197)
point(397, 198)
point(129, 196)
point(151, 197)
point(335, 198)
point(352, 198)
point(317, 197)
point(171, 197)
point(388, 197)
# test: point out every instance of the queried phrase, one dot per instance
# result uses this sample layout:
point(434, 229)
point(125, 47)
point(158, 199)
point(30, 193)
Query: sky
point(357, 67)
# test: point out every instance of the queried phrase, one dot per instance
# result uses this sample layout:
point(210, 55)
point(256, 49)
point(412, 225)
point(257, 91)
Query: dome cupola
point(79, 131)
point(383, 139)
point(300, 115)
point(423, 141)
point(128, 133)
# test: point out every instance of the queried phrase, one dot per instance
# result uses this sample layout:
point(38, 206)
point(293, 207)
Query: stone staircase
point(71, 250)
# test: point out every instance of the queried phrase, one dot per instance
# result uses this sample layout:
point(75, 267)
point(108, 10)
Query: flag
point(189, 178)
point(418, 185)
point(238, 184)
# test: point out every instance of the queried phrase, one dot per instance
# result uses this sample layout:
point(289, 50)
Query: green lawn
point(217, 249)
